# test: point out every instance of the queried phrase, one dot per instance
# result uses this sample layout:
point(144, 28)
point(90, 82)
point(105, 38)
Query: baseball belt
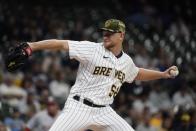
point(86, 102)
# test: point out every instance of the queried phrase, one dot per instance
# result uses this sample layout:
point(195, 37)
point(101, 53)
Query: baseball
point(173, 72)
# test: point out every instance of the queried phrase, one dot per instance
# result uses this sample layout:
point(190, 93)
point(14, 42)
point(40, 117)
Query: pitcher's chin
point(107, 45)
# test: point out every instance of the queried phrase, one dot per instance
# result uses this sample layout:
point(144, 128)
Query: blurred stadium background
point(159, 34)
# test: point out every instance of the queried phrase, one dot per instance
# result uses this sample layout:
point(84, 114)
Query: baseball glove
point(17, 57)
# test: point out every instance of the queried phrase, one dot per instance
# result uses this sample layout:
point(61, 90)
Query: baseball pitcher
point(102, 70)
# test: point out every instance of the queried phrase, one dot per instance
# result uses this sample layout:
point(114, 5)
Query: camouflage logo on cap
point(107, 24)
point(114, 25)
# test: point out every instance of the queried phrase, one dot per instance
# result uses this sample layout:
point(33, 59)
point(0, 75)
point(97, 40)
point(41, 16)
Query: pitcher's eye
point(107, 34)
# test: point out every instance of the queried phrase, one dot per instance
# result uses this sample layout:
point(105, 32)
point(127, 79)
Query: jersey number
point(114, 91)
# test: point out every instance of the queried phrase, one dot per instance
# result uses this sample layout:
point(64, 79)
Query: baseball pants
point(77, 116)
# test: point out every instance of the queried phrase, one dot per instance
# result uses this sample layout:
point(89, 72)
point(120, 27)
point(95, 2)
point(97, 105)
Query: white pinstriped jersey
point(100, 74)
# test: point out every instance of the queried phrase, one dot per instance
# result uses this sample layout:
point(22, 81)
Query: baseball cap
point(113, 25)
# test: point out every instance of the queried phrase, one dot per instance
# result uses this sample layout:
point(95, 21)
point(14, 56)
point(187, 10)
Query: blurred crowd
point(157, 36)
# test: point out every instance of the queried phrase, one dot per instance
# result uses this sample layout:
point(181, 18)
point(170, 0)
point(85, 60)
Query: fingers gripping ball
point(17, 57)
point(174, 72)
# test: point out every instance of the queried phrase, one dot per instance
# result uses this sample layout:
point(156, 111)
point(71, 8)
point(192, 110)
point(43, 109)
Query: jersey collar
point(119, 55)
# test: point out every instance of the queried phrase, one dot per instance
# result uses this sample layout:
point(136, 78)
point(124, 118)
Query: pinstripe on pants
point(77, 116)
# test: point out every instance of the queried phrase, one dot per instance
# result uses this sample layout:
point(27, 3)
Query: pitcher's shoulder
point(91, 43)
point(128, 57)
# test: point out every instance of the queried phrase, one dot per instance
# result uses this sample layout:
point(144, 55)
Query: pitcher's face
point(111, 39)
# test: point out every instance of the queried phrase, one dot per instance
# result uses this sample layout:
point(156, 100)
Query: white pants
point(77, 116)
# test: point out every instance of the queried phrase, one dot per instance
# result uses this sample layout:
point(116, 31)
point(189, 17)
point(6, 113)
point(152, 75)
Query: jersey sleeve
point(81, 50)
point(132, 72)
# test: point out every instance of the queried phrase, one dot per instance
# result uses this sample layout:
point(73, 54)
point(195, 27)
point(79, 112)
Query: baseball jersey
point(101, 73)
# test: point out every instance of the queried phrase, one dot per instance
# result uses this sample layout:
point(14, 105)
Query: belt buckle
point(81, 100)
point(91, 102)
point(92, 105)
